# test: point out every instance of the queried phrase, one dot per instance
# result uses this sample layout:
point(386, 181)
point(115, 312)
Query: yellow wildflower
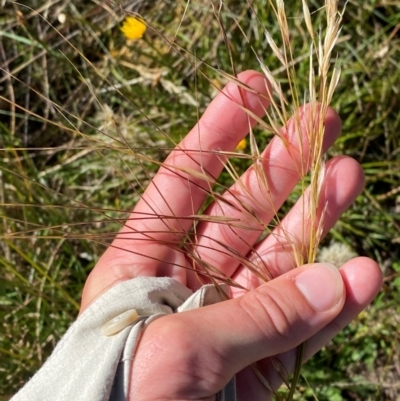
point(242, 145)
point(133, 28)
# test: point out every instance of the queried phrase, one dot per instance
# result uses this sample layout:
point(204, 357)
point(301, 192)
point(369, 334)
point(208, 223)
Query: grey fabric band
point(90, 366)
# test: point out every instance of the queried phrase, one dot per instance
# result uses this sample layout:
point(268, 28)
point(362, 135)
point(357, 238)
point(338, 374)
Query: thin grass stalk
point(320, 90)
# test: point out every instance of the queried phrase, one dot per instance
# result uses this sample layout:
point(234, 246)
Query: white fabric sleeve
point(88, 365)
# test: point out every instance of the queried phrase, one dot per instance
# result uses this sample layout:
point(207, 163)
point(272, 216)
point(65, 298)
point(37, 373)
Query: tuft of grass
point(88, 118)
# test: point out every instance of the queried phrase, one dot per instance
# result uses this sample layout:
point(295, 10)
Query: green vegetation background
point(71, 89)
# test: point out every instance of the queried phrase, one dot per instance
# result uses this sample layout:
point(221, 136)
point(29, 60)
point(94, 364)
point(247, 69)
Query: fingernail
point(120, 322)
point(321, 285)
point(256, 101)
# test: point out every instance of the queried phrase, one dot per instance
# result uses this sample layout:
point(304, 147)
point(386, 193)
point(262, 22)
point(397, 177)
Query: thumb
point(277, 316)
point(213, 343)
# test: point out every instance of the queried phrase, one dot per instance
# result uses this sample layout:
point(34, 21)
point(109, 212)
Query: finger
point(202, 349)
point(343, 182)
point(254, 202)
point(362, 278)
point(184, 181)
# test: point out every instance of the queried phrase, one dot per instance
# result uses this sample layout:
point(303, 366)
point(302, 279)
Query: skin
point(192, 355)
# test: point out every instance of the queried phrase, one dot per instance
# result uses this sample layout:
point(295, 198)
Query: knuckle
point(273, 314)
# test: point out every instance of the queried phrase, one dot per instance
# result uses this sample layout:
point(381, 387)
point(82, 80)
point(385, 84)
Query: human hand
point(192, 355)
